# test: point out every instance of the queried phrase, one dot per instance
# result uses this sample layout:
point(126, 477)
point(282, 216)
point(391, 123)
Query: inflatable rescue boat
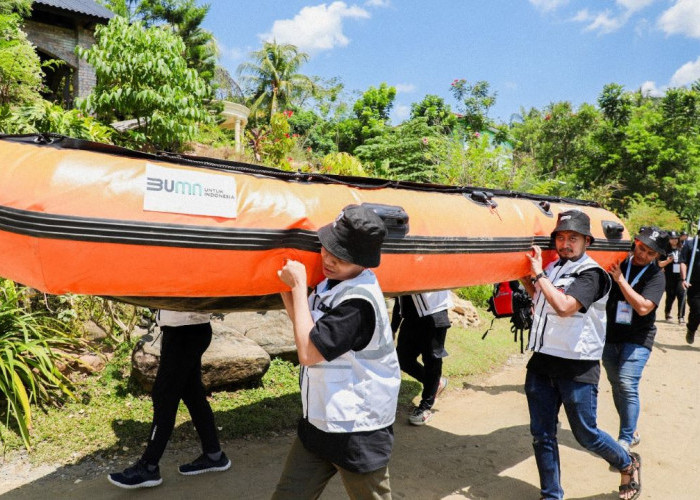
point(193, 233)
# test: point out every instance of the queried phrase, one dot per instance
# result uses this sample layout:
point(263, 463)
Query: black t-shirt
point(588, 287)
point(348, 326)
point(686, 255)
point(642, 330)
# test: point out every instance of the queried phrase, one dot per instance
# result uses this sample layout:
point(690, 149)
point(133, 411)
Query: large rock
point(463, 314)
point(271, 330)
point(231, 359)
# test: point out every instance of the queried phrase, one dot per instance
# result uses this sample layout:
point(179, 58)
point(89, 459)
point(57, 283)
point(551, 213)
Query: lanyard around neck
point(636, 278)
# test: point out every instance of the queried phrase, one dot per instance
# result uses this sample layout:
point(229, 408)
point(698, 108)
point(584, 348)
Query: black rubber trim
point(63, 227)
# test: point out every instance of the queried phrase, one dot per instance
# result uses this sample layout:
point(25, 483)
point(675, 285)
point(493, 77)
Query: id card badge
point(624, 313)
point(676, 268)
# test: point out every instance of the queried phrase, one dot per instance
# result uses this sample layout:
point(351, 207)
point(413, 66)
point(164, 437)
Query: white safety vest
point(580, 336)
point(431, 302)
point(181, 318)
point(357, 391)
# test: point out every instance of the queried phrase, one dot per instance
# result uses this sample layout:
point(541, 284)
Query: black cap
point(683, 233)
point(574, 220)
point(356, 236)
point(672, 235)
point(654, 238)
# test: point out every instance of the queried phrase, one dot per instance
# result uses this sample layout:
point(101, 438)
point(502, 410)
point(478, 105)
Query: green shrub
point(28, 357)
point(477, 295)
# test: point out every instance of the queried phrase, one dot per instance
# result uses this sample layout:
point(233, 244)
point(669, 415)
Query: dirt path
point(477, 446)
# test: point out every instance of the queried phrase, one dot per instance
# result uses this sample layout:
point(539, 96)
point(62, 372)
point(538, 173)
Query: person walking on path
point(692, 286)
point(423, 320)
point(185, 337)
point(674, 284)
point(350, 374)
point(567, 338)
point(638, 285)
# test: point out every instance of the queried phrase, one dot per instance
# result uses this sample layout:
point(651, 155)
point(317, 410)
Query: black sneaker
point(136, 476)
point(690, 337)
point(203, 464)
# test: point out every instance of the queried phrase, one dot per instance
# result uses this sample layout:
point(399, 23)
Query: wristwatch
point(538, 276)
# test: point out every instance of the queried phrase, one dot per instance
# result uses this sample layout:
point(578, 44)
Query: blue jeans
point(545, 396)
point(624, 363)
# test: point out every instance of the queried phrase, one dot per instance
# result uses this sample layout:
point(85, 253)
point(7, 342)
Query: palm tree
point(272, 80)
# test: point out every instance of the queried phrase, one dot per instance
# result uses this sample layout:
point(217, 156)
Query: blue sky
point(532, 52)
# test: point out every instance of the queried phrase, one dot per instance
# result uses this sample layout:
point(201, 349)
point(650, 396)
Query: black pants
point(694, 306)
point(417, 339)
point(674, 290)
point(179, 377)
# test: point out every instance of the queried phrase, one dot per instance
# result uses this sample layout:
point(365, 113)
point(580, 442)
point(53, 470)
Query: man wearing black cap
point(567, 337)
point(638, 285)
point(692, 285)
point(349, 373)
point(672, 270)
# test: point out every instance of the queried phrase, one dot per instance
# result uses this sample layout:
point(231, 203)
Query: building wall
point(60, 43)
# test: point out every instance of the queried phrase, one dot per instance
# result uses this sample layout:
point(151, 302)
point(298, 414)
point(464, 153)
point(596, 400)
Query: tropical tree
point(437, 113)
point(185, 18)
point(142, 75)
point(475, 101)
point(20, 67)
point(272, 79)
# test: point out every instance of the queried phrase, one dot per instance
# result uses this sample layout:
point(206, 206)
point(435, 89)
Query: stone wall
point(60, 43)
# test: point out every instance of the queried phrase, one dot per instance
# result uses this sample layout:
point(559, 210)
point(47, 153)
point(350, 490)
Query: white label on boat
point(187, 192)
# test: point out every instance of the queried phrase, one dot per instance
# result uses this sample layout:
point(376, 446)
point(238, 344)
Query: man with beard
point(568, 335)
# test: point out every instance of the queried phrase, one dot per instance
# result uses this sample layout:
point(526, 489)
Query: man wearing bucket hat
point(672, 270)
point(567, 337)
point(349, 373)
point(638, 285)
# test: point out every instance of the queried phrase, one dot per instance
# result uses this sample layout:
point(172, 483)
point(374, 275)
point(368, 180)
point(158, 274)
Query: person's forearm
point(526, 281)
point(564, 305)
point(303, 323)
point(684, 271)
point(639, 303)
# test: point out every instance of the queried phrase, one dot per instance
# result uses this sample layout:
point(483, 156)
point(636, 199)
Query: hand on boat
point(535, 259)
point(615, 272)
point(293, 274)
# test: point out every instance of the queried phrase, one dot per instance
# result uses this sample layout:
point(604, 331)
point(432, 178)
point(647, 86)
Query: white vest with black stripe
point(431, 302)
point(357, 391)
point(580, 336)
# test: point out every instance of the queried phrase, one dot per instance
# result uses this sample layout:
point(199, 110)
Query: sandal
point(632, 485)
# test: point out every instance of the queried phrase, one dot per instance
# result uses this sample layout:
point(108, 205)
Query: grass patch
point(112, 416)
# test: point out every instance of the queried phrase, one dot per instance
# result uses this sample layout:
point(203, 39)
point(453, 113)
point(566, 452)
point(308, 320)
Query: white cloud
point(404, 88)
point(547, 5)
point(688, 73)
point(401, 112)
point(649, 89)
point(604, 22)
point(634, 5)
point(682, 19)
point(378, 3)
point(229, 53)
point(316, 28)
point(608, 21)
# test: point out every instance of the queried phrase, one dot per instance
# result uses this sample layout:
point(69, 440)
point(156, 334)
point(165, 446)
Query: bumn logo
point(172, 186)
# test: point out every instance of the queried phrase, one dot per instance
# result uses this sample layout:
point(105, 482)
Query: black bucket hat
point(654, 238)
point(574, 220)
point(356, 236)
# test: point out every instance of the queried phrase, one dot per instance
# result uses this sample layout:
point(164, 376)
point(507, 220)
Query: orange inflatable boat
point(193, 233)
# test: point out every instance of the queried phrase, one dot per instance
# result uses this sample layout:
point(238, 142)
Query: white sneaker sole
point(145, 484)
point(204, 471)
